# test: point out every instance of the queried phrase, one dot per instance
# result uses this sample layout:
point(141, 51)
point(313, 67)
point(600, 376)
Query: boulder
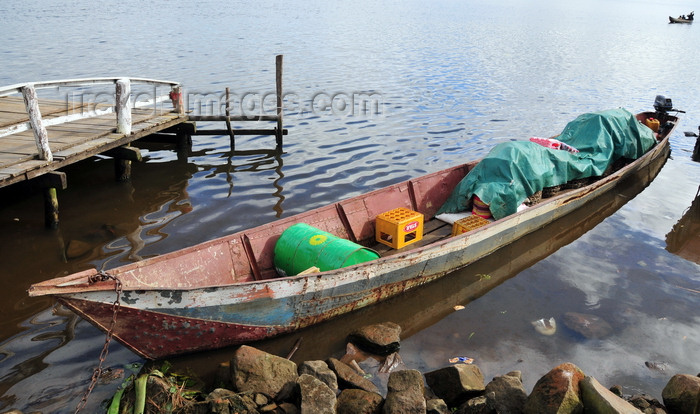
point(436, 406)
point(225, 401)
point(647, 404)
point(456, 383)
point(379, 339)
point(357, 401)
point(287, 408)
point(477, 405)
point(257, 371)
point(506, 393)
point(590, 326)
point(320, 370)
point(557, 392)
point(600, 400)
point(405, 392)
point(349, 378)
point(77, 248)
point(681, 394)
point(315, 396)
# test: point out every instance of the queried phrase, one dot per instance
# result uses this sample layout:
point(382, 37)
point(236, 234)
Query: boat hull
point(159, 323)
point(190, 300)
point(677, 20)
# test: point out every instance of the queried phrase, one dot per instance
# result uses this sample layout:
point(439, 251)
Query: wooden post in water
point(123, 106)
point(31, 103)
point(50, 208)
point(123, 156)
point(49, 183)
point(122, 166)
point(228, 120)
point(278, 79)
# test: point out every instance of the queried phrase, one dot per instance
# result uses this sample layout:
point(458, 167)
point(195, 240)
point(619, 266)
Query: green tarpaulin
point(513, 171)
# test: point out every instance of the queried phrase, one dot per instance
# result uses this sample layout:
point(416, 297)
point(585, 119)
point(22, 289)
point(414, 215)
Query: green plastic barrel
point(302, 246)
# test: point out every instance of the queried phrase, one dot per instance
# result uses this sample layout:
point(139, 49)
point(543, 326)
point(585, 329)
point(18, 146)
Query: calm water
point(449, 79)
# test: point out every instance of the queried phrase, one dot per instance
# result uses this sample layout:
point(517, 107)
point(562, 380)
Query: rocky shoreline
point(256, 382)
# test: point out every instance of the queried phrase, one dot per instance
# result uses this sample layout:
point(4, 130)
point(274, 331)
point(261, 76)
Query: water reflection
point(258, 160)
point(684, 237)
point(52, 334)
point(420, 308)
point(136, 219)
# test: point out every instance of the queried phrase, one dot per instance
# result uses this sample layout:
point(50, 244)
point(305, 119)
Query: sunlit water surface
point(450, 79)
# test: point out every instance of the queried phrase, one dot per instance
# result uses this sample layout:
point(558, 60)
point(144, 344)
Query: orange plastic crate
point(468, 223)
point(399, 227)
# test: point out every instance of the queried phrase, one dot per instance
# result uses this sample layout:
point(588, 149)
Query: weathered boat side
point(226, 292)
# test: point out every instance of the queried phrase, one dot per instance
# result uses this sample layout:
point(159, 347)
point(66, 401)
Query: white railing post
point(123, 106)
point(31, 102)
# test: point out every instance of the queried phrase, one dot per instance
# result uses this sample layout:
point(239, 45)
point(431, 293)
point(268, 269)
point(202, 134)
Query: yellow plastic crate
point(399, 227)
point(468, 223)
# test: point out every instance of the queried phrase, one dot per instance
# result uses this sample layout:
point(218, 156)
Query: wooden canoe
point(227, 292)
point(679, 20)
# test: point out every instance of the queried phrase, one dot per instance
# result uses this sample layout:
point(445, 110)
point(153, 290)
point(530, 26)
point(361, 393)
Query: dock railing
point(122, 106)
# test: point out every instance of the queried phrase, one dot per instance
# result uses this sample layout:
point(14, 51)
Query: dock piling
point(123, 156)
point(49, 183)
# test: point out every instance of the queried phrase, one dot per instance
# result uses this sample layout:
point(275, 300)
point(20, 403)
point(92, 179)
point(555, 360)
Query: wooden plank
point(13, 110)
point(73, 142)
point(24, 167)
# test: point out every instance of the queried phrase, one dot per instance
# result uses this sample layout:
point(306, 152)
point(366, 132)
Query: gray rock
point(516, 374)
point(590, 326)
point(257, 371)
point(600, 400)
point(436, 406)
point(647, 404)
point(557, 392)
point(379, 339)
point(457, 383)
point(349, 378)
point(315, 396)
point(225, 401)
point(357, 401)
point(320, 370)
point(477, 405)
point(681, 394)
point(287, 408)
point(405, 392)
point(506, 394)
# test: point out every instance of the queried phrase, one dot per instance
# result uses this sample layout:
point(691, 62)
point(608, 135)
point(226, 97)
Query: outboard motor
point(663, 104)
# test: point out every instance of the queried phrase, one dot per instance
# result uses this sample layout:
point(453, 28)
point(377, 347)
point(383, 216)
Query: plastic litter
point(464, 360)
point(545, 326)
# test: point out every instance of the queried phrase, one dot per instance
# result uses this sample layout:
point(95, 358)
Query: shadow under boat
point(422, 307)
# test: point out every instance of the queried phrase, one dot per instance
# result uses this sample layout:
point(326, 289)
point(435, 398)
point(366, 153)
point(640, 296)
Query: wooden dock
point(39, 136)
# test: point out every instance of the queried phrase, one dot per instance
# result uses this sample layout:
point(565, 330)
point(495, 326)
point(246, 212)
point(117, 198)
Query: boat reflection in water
point(418, 309)
point(684, 238)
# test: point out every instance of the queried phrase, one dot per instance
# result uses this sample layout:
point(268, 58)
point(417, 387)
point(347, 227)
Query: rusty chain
point(102, 276)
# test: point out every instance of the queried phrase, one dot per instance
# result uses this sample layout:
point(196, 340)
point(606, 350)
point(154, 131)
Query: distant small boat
point(682, 19)
point(228, 291)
